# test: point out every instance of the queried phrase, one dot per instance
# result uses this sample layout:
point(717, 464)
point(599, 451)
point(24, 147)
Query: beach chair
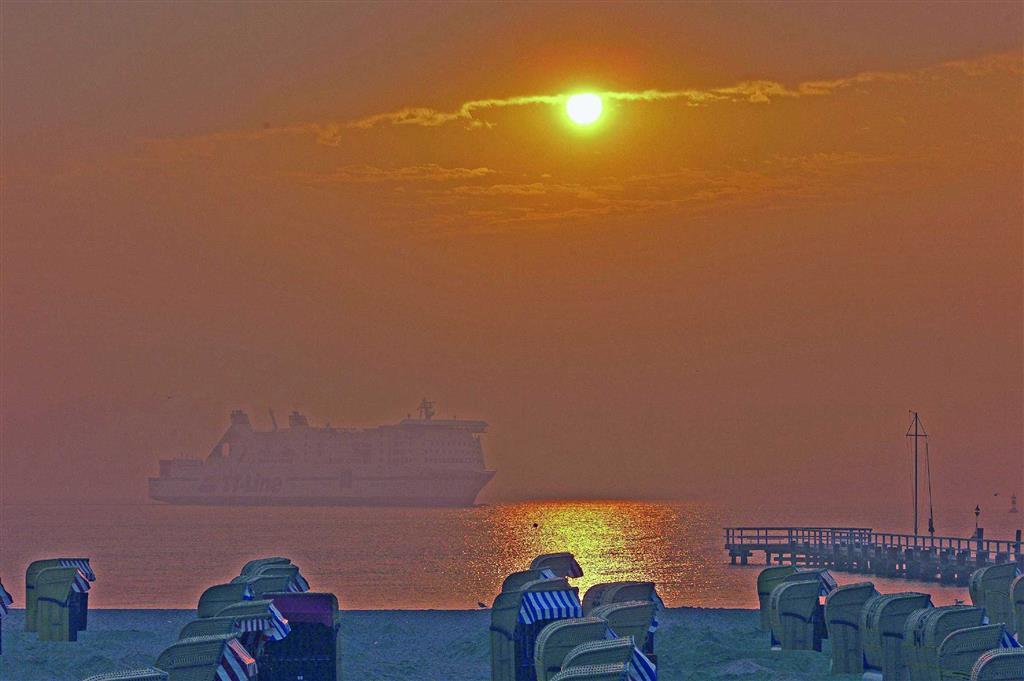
point(516, 580)
point(219, 596)
point(883, 621)
point(80, 599)
point(797, 620)
point(56, 608)
point(603, 672)
point(141, 674)
point(628, 619)
point(999, 665)
point(563, 564)
point(990, 589)
point(768, 579)
point(5, 605)
point(617, 592)
point(33, 570)
point(926, 629)
point(842, 621)
point(961, 649)
point(207, 658)
point(517, 617)
point(557, 638)
point(211, 626)
point(296, 582)
point(255, 564)
point(310, 650)
point(1017, 595)
point(607, 651)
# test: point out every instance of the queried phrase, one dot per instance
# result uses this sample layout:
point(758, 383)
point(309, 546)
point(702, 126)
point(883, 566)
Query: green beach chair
point(141, 674)
point(514, 628)
point(608, 651)
point(563, 564)
point(961, 649)
point(55, 589)
point(999, 665)
point(556, 640)
point(218, 596)
point(990, 589)
point(924, 632)
point(768, 579)
point(842, 620)
point(883, 621)
point(33, 570)
point(629, 619)
point(202, 658)
point(1017, 594)
point(797, 622)
point(255, 564)
point(603, 672)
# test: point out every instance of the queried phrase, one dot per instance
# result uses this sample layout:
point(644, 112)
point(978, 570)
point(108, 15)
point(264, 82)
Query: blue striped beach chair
point(517, 618)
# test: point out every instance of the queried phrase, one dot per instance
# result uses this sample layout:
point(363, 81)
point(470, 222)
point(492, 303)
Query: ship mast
point(426, 409)
point(917, 431)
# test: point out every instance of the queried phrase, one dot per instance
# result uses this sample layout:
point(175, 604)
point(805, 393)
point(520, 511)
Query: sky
point(792, 224)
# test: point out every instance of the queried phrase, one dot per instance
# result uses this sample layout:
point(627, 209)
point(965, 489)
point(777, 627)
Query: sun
point(584, 108)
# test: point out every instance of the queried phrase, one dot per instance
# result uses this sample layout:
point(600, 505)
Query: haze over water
point(157, 556)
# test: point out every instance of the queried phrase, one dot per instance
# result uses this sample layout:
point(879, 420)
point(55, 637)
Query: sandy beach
point(414, 645)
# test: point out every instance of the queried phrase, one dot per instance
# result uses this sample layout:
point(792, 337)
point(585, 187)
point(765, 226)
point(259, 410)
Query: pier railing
point(757, 537)
point(884, 553)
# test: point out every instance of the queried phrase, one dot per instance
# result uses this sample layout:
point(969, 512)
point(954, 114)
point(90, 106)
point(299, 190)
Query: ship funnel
point(240, 418)
point(297, 420)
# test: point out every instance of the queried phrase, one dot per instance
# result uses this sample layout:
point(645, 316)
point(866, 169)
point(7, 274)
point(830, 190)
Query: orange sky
point(793, 223)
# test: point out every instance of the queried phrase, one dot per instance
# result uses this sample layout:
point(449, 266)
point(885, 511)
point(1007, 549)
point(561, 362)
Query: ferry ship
point(417, 462)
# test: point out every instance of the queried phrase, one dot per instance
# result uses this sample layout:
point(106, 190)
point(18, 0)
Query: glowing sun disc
point(583, 109)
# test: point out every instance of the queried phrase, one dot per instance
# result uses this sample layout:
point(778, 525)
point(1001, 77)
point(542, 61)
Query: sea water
point(161, 556)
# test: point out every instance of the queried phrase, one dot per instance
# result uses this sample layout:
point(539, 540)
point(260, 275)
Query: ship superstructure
point(418, 461)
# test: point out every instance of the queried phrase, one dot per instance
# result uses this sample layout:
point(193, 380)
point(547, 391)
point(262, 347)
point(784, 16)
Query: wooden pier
point(860, 549)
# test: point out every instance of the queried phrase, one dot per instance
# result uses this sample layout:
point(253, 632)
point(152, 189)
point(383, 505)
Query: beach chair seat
point(797, 620)
point(1017, 595)
point(926, 629)
point(606, 651)
point(990, 588)
point(563, 564)
point(999, 665)
point(219, 596)
point(202, 658)
point(767, 580)
point(517, 618)
point(559, 637)
point(628, 619)
point(603, 672)
point(56, 607)
point(256, 563)
point(842, 621)
point(310, 649)
point(514, 581)
point(961, 649)
point(883, 622)
point(140, 674)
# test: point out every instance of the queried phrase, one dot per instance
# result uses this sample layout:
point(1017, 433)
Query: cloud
point(426, 172)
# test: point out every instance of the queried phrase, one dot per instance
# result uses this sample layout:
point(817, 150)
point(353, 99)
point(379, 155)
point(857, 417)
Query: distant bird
point(480, 605)
point(535, 525)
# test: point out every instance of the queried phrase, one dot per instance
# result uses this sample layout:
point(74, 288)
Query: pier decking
point(860, 549)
